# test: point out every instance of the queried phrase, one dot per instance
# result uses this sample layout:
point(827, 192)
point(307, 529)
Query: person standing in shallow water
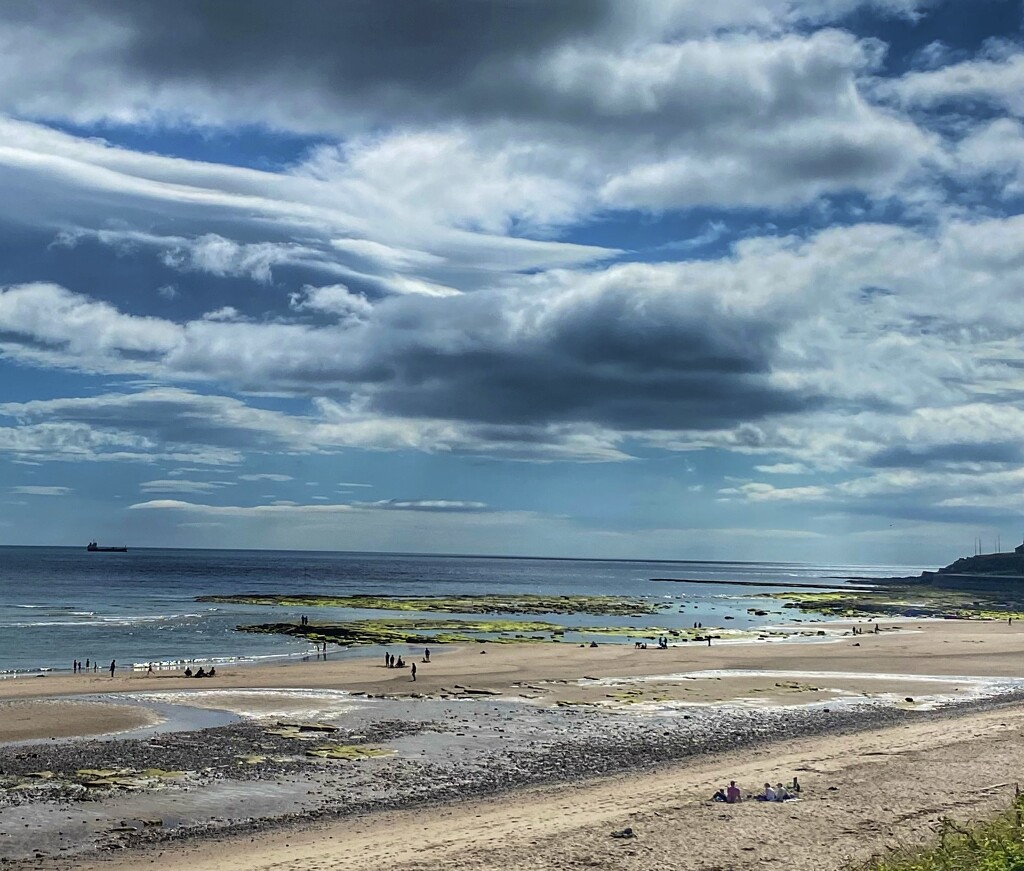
point(113, 665)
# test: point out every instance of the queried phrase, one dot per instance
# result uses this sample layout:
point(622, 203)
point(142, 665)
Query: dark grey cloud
point(342, 67)
point(369, 48)
point(618, 357)
point(410, 56)
point(631, 349)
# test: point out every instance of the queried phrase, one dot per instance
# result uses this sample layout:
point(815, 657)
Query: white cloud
point(224, 314)
point(422, 505)
point(995, 153)
point(759, 492)
point(335, 299)
point(323, 215)
point(32, 490)
point(178, 425)
point(997, 80)
point(219, 256)
point(179, 486)
point(783, 469)
point(288, 508)
point(281, 508)
point(66, 323)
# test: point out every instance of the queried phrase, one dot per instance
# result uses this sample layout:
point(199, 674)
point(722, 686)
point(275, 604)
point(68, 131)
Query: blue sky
point(662, 279)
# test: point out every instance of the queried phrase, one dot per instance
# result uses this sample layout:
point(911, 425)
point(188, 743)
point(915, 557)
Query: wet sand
point(552, 672)
point(40, 719)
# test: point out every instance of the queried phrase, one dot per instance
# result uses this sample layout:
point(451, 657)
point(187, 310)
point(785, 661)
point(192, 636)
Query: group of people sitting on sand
point(201, 672)
point(642, 645)
point(780, 792)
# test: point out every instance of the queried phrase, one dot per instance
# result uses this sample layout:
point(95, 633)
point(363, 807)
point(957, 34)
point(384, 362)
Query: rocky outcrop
point(986, 564)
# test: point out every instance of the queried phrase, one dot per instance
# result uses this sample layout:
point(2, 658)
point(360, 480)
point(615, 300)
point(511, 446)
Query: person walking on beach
point(414, 671)
point(426, 655)
point(113, 665)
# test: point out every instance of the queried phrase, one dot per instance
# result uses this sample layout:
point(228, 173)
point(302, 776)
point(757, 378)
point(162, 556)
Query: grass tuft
point(997, 845)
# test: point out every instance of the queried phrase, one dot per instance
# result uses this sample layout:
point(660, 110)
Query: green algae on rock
point(348, 752)
point(906, 601)
point(400, 630)
point(304, 731)
point(408, 631)
point(607, 606)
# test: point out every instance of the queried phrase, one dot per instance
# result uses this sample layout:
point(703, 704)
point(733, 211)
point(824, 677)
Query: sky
point(660, 279)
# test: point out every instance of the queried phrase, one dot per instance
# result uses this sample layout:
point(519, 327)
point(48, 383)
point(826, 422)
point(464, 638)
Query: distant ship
point(95, 548)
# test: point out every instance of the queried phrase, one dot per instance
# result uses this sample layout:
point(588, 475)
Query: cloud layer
point(549, 231)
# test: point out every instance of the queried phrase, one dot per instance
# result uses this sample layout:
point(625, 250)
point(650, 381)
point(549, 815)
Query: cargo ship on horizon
point(93, 547)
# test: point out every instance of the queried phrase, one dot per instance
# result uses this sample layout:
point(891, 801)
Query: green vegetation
point(993, 846)
point(906, 601)
point(608, 606)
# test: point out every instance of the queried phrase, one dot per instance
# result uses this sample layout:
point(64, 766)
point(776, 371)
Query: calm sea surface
point(59, 604)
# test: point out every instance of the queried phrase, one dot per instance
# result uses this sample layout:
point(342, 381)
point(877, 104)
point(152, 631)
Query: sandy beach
point(879, 774)
point(552, 672)
point(863, 794)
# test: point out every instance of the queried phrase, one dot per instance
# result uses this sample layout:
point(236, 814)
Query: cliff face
point(987, 564)
point(1001, 573)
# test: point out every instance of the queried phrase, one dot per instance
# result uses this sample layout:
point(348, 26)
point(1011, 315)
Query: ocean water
point(61, 604)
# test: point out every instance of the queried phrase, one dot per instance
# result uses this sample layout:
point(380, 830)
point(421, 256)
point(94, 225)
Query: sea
point(59, 604)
